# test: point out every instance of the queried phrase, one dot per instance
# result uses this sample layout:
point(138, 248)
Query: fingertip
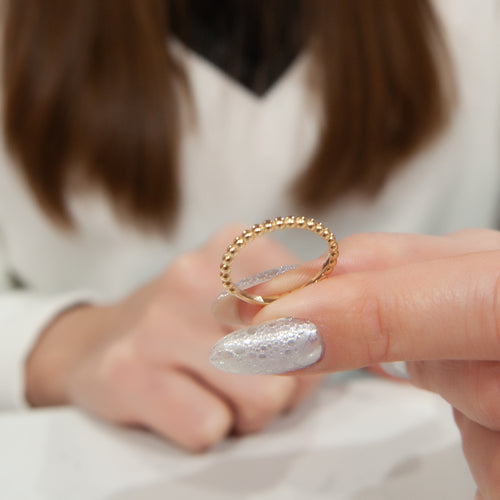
point(212, 427)
point(271, 397)
point(183, 410)
point(229, 309)
point(216, 425)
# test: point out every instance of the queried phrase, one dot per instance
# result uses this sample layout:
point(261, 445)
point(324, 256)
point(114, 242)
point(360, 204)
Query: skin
point(144, 361)
point(433, 301)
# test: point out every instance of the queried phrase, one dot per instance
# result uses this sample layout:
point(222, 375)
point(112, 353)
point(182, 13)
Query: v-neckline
point(230, 34)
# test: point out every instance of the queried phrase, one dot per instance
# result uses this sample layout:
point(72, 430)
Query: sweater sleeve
point(23, 316)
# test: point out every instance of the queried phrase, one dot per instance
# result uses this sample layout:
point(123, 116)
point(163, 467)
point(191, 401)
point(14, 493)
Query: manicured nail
point(227, 310)
point(257, 279)
point(396, 369)
point(274, 347)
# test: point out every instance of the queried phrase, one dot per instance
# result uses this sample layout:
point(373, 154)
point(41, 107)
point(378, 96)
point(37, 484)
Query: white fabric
point(356, 439)
point(237, 165)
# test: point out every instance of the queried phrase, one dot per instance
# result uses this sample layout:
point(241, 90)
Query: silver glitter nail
point(257, 279)
point(274, 347)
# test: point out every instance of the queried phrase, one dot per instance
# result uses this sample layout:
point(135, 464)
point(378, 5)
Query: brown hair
point(386, 90)
point(91, 93)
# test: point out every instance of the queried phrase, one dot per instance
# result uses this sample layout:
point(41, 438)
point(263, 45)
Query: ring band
point(267, 227)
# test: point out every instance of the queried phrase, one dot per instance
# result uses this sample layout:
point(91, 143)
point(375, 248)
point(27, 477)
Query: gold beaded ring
point(270, 226)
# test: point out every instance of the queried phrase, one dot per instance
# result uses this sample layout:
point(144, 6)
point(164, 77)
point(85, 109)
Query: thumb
point(447, 308)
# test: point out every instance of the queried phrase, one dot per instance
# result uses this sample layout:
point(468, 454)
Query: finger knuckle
point(264, 402)
point(151, 322)
point(376, 332)
point(149, 335)
point(211, 428)
point(226, 235)
point(192, 272)
point(220, 240)
point(118, 367)
point(184, 266)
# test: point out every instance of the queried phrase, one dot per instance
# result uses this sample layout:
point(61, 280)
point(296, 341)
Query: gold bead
point(258, 229)
point(279, 223)
point(301, 221)
point(268, 226)
point(248, 235)
point(311, 224)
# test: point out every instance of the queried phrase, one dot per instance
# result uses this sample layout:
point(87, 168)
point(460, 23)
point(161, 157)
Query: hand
point(144, 361)
point(434, 301)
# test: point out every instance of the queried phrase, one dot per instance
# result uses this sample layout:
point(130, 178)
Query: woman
point(123, 155)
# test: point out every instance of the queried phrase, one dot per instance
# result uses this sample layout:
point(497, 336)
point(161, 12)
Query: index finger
point(360, 252)
point(446, 308)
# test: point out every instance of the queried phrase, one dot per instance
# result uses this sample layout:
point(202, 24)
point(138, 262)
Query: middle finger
point(473, 387)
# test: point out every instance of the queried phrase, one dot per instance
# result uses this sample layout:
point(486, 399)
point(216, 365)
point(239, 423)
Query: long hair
point(91, 95)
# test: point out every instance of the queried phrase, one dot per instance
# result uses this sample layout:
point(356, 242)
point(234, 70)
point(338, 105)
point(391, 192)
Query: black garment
point(254, 41)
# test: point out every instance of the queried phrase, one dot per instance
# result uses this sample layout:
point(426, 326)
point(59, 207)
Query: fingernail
point(274, 347)
point(396, 369)
point(257, 279)
point(227, 310)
